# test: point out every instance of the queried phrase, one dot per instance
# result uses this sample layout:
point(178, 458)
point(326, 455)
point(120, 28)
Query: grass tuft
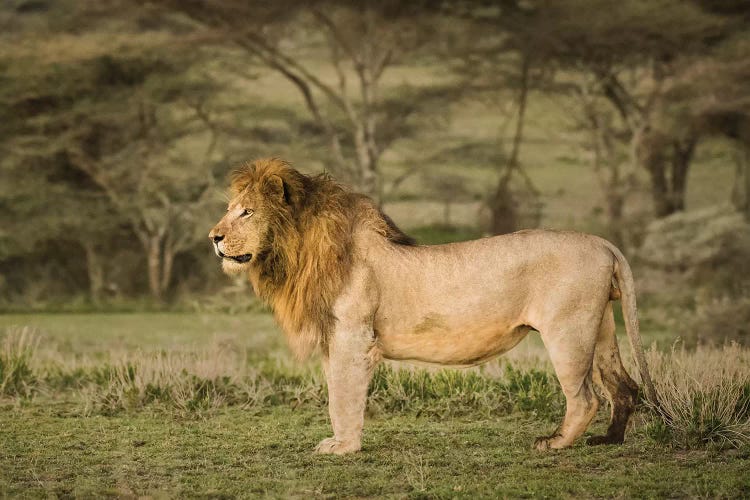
point(17, 378)
point(704, 393)
point(704, 396)
point(461, 392)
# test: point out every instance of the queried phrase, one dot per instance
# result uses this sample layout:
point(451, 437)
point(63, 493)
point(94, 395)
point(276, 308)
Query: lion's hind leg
point(610, 375)
point(571, 353)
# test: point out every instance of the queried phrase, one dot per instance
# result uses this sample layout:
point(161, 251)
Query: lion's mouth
point(237, 258)
point(240, 258)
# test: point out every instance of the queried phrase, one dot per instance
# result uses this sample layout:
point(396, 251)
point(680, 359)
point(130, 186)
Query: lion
point(344, 281)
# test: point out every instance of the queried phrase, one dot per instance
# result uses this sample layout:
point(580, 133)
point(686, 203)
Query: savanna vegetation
point(198, 404)
point(129, 365)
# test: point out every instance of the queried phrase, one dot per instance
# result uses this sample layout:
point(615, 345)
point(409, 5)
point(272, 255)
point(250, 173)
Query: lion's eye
point(247, 213)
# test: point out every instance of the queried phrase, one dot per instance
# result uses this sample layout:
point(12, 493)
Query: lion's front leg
point(348, 368)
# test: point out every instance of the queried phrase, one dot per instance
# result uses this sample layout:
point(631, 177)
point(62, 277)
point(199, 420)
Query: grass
point(16, 375)
point(704, 395)
point(211, 405)
point(240, 453)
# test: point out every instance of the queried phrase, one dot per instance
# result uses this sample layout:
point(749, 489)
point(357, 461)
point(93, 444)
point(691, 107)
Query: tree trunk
point(447, 213)
point(682, 155)
point(168, 254)
point(656, 165)
point(668, 185)
point(504, 214)
point(365, 132)
point(95, 269)
point(615, 206)
point(368, 175)
point(503, 206)
point(615, 193)
point(741, 188)
point(166, 271)
point(153, 255)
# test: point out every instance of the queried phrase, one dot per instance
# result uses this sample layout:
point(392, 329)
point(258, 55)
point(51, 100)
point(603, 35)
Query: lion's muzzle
point(237, 258)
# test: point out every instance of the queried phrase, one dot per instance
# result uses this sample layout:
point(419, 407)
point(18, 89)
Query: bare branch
point(338, 38)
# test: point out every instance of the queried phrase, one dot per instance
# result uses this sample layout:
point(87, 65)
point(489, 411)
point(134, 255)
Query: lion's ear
point(273, 187)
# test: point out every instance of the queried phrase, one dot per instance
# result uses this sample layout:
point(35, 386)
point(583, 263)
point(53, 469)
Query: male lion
point(343, 279)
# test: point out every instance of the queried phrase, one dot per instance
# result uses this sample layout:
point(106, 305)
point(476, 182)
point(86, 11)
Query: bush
point(699, 273)
point(729, 317)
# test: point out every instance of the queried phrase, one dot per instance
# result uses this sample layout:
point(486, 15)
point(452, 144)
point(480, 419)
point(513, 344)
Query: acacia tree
point(629, 54)
point(131, 149)
point(363, 40)
point(499, 53)
point(133, 130)
point(612, 165)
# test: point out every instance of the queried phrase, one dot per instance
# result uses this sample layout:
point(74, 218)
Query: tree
point(633, 51)
point(449, 189)
point(130, 149)
point(502, 55)
point(133, 129)
point(363, 39)
point(627, 55)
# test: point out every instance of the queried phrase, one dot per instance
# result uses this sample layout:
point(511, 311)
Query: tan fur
point(304, 255)
point(343, 279)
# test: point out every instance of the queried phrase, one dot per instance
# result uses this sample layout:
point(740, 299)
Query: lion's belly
point(435, 339)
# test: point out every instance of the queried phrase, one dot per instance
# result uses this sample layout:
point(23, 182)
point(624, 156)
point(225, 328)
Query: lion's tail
point(624, 277)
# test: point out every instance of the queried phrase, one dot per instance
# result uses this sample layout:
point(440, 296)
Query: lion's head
point(261, 194)
point(293, 235)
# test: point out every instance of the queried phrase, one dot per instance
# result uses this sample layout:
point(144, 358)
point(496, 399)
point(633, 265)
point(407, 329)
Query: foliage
point(440, 233)
point(729, 316)
point(119, 120)
point(696, 268)
point(698, 242)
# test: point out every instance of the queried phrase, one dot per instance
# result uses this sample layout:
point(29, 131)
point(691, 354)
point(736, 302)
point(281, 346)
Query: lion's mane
point(308, 250)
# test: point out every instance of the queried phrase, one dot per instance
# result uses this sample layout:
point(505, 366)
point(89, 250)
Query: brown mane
point(308, 250)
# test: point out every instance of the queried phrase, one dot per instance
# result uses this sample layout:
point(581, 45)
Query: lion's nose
point(217, 238)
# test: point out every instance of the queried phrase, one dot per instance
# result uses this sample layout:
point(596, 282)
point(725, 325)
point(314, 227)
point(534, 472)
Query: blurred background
point(120, 121)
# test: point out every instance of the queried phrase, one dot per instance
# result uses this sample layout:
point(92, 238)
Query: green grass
point(196, 404)
point(91, 333)
point(44, 450)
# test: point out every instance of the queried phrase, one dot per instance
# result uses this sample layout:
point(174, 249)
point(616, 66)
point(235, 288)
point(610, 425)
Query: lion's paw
point(336, 447)
point(545, 443)
point(606, 439)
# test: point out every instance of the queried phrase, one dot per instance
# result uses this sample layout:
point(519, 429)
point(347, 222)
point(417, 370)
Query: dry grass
point(704, 395)
point(17, 351)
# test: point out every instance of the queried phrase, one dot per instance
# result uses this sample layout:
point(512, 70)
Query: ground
point(240, 453)
point(50, 446)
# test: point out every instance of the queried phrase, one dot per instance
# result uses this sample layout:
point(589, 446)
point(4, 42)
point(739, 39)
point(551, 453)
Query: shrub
point(730, 317)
